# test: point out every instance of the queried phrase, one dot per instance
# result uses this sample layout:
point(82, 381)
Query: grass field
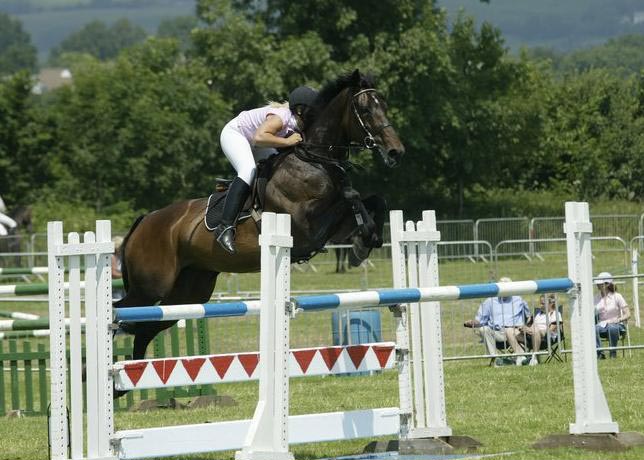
point(506, 408)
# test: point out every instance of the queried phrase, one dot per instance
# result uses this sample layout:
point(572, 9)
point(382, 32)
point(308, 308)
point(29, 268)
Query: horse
point(169, 257)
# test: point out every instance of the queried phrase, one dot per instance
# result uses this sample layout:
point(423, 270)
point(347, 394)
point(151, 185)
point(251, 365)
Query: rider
point(6, 222)
point(252, 136)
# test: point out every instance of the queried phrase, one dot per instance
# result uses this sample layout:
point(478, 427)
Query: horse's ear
point(356, 77)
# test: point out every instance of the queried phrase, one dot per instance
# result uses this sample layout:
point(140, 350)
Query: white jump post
point(592, 414)
point(96, 249)
point(267, 437)
point(423, 380)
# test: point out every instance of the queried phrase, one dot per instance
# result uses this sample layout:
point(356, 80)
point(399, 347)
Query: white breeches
point(240, 153)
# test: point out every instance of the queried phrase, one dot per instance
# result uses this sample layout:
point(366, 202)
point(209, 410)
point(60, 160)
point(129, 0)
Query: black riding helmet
point(302, 95)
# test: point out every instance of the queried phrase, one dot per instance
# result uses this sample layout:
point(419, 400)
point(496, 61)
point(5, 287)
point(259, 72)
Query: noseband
point(369, 141)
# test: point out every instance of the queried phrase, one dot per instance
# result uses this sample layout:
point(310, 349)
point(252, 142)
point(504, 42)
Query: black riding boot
point(225, 231)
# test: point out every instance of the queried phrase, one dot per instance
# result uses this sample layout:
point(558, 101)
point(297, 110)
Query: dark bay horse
point(169, 256)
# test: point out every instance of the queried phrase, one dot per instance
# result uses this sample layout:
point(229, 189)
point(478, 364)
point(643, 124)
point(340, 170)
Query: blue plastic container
point(356, 327)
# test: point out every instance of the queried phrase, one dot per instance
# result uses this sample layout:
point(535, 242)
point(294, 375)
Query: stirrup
point(226, 237)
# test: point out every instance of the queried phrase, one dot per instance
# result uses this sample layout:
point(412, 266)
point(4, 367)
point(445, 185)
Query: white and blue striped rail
point(188, 311)
point(382, 297)
point(410, 295)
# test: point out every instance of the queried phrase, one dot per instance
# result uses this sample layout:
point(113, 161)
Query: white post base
point(585, 428)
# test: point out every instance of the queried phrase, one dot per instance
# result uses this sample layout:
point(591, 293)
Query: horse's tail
point(122, 251)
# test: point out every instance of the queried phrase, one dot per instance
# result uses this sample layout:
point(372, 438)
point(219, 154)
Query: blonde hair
point(278, 105)
point(118, 241)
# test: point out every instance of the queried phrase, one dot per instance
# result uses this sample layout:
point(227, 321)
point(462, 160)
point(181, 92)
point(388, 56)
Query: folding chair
point(624, 338)
point(552, 342)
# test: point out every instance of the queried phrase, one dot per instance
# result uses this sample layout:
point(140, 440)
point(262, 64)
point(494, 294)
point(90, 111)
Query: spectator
point(546, 323)
point(6, 222)
point(117, 293)
point(611, 312)
point(500, 319)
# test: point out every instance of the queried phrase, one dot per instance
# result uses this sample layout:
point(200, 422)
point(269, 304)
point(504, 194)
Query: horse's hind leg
point(191, 286)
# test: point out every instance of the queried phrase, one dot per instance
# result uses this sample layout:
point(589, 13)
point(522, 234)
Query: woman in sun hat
point(612, 313)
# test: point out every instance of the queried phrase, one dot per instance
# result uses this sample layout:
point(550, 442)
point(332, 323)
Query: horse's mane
point(331, 89)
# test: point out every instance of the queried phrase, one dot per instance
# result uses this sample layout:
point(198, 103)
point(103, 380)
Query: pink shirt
point(609, 307)
point(249, 120)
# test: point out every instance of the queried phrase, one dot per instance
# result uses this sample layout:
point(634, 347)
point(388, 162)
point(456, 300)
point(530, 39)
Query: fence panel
point(496, 230)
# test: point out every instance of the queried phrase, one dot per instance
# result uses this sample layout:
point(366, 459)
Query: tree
point(143, 129)
point(26, 139)
point(179, 28)
point(594, 136)
point(249, 65)
point(99, 40)
point(344, 23)
point(16, 51)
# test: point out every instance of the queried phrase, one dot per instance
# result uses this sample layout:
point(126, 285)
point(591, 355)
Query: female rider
point(252, 136)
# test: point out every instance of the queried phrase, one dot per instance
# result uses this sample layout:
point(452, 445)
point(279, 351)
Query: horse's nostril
point(394, 154)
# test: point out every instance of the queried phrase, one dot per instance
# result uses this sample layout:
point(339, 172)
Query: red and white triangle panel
point(239, 367)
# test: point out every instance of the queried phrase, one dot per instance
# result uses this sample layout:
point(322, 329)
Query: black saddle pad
point(216, 201)
point(216, 207)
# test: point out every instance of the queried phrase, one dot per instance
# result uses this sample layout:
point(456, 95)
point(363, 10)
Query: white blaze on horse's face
point(370, 112)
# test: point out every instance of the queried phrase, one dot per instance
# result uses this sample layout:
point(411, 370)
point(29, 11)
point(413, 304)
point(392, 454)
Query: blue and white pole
point(187, 311)
point(385, 297)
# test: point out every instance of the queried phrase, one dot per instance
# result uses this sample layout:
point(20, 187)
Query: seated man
point(500, 319)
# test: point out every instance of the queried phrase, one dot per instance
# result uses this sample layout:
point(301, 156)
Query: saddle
point(254, 205)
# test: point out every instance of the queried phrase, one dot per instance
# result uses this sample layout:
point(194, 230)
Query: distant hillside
point(563, 25)
point(560, 24)
point(49, 22)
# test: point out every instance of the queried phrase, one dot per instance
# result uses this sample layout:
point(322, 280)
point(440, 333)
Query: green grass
point(507, 409)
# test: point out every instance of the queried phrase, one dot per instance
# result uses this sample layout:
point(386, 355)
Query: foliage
point(250, 65)
point(594, 136)
point(99, 40)
point(485, 132)
point(622, 55)
point(16, 51)
point(24, 142)
point(79, 216)
point(142, 129)
point(180, 28)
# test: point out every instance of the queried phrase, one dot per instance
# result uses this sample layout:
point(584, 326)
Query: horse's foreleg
point(376, 206)
point(370, 214)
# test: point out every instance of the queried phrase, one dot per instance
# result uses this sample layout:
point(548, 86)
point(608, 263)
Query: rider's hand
point(294, 138)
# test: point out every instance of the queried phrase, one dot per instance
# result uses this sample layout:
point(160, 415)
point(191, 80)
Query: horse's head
point(369, 123)
point(349, 112)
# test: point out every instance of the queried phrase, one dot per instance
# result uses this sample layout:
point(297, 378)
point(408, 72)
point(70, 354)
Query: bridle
point(369, 141)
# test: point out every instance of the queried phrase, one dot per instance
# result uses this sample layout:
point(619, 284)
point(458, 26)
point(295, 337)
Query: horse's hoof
point(358, 253)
